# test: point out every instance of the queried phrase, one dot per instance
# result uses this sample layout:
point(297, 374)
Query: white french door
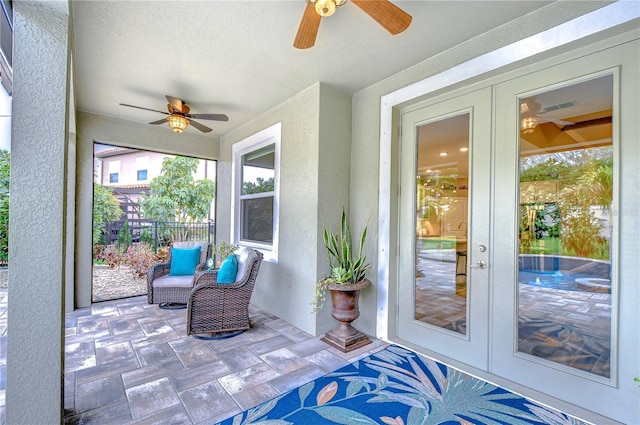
point(518, 229)
point(445, 222)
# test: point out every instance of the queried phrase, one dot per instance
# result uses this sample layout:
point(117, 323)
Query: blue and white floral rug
point(397, 386)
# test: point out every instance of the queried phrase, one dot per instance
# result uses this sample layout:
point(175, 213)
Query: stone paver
point(128, 363)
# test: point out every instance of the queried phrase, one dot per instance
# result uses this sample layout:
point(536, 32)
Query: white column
point(35, 342)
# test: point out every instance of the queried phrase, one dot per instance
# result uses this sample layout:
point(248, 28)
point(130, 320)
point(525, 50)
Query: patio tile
point(103, 309)
point(326, 360)
point(125, 309)
point(80, 355)
point(125, 324)
point(113, 352)
point(147, 399)
point(173, 415)
point(98, 393)
point(283, 360)
point(104, 370)
point(193, 355)
point(206, 401)
point(156, 339)
point(308, 347)
point(154, 354)
point(296, 378)
point(222, 345)
point(146, 374)
point(240, 358)
point(247, 378)
point(255, 395)
point(261, 333)
point(193, 377)
point(124, 337)
point(270, 344)
point(112, 414)
point(154, 327)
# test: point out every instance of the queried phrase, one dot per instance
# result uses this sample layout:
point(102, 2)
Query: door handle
point(479, 265)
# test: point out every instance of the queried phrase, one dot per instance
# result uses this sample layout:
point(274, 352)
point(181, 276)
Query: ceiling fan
point(530, 117)
point(390, 16)
point(179, 117)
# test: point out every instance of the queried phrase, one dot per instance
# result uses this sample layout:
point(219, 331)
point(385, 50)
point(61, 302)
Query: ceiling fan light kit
point(178, 123)
point(390, 16)
point(326, 7)
point(179, 117)
point(527, 125)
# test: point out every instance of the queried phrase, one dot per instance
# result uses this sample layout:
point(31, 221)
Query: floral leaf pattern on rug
point(396, 386)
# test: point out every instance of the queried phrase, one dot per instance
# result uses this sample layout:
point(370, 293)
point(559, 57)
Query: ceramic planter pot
point(344, 300)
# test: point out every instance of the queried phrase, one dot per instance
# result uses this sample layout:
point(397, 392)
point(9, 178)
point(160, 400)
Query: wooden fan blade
point(146, 109)
point(387, 14)
point(200, 127)
point(175, 103)
point(308, 29)
point(162, 121)
point(214, 117)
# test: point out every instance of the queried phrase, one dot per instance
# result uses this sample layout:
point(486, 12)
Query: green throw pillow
point(228, 269)
point(184, 261)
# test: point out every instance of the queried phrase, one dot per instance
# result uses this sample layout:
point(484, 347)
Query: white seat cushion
point(244, 255)
point(173, 282)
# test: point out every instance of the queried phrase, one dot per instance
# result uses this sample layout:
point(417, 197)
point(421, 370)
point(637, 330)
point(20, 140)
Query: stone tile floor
point(128, 362)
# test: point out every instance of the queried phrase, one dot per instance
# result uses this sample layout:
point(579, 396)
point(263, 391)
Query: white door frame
point(606, 18)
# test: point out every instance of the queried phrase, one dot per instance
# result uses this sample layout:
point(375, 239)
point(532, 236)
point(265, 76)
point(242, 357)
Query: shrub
point(124, 238)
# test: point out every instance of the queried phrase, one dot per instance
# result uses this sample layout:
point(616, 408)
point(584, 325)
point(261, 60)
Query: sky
point(5, 120)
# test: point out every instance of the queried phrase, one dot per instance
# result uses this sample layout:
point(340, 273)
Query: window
point(142, 165)
point(256, 164)
point(114, 171)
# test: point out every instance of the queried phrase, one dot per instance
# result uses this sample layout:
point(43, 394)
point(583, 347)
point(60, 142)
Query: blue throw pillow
point(184, 261)
point(228, 269)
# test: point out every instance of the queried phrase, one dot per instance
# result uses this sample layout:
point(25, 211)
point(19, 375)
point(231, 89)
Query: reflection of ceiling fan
point(390, 16)
point(179, 117)
point(530, 117)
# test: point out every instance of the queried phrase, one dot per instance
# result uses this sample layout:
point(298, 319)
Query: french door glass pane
point(566, 194)
point(442, 189)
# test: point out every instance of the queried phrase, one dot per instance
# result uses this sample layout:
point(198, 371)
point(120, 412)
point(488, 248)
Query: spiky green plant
point(347, 267)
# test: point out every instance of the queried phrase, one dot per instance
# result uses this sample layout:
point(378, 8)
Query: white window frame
point(269, 136)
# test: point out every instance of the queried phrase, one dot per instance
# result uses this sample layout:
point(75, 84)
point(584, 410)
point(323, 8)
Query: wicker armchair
point(223, 308)
point(173, 291)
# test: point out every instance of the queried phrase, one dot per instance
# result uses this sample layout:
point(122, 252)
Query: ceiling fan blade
point(175, 103)
point(214, 117)
point(200, 127)
point(387, 14)
point(308, 29)
point(146, 109)
point(162, 121)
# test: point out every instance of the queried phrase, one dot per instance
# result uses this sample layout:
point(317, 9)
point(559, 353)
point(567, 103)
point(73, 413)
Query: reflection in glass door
point(566, 193)
point(442, 189)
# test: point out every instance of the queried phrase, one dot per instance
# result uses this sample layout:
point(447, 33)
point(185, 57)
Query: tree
point(5, 158)
point(175, 196)
point(261, 185)
point(105, 208)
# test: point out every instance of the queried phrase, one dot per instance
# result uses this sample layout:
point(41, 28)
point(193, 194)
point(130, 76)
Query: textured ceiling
point(236, 57)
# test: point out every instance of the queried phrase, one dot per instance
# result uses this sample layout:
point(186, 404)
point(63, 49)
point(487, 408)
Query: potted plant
point(223, 250)
point(348, 276)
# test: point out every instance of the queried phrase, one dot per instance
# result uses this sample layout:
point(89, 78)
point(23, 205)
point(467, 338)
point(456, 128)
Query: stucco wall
point(304, 149)
point(35, 345)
